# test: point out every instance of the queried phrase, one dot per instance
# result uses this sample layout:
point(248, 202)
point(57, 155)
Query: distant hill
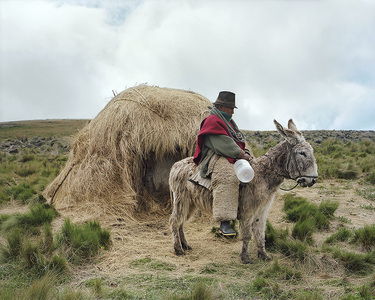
point(315, 136)
point(48, 131)
point(40, 128)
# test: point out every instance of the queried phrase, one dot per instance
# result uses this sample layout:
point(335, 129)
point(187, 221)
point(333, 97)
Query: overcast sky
point(310, 60)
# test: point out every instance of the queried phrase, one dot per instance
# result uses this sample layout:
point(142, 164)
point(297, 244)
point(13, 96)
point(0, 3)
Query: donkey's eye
point(302, 153)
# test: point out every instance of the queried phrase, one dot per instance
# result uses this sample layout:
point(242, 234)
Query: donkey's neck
point(276, 161)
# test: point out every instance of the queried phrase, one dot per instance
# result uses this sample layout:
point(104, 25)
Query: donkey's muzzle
point(307, 181)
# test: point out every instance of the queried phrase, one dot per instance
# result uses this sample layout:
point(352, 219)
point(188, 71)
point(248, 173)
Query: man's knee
point(223, 173)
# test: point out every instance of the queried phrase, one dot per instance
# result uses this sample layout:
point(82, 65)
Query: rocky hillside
point(55, 136)
point(49, 145)
point(315, 136)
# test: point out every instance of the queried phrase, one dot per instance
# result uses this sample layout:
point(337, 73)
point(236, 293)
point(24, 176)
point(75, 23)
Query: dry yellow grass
point(130, 143)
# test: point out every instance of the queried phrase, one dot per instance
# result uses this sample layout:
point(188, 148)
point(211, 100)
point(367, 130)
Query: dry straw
point(120, 161)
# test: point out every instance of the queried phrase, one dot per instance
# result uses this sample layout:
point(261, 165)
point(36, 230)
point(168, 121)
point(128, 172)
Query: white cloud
point(312, 61)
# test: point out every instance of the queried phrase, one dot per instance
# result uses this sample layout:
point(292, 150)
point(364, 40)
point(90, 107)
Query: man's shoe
point(226, 229)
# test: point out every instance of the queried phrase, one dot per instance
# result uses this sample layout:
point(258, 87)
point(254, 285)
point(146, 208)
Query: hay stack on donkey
point(292, 158)
point(120, 161)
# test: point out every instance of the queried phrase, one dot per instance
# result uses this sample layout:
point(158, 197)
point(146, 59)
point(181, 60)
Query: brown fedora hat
point(227, 99)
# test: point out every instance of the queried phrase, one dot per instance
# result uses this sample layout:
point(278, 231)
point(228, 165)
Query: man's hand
point(245, 156)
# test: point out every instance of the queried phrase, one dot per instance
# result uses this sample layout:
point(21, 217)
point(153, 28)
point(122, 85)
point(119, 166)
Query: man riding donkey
point(220, 143)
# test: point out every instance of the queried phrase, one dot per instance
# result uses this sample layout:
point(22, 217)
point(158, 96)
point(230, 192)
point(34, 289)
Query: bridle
point(290, 157)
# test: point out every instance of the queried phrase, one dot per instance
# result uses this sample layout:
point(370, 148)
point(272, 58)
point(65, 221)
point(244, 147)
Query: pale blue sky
point(313, 61)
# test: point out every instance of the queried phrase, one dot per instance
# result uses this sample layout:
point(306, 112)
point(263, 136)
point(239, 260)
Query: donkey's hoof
point(186, 247)
point(245, 259)
point(264, 255)
point(179, 252)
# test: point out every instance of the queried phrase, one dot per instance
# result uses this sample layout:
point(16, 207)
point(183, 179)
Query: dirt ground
point(151, 238)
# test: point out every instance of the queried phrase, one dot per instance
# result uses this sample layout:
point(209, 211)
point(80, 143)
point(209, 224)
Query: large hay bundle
point(120, 161)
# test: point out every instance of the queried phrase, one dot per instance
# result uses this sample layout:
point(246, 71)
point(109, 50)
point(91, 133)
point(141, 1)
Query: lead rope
point(287, 190)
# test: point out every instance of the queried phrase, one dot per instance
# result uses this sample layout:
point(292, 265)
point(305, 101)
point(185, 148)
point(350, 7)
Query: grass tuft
point(303, 230)
point(199, 292)
point(365, 236)
point(14, 246)
point(293, 249)
point(82, 242)
point(308, 216)
point(355, 263)
point(32, 256)
point(43, 288)
point(342, 235)
point(58, 264)
point(371, 178)
point(281, 272)
point(38, 215)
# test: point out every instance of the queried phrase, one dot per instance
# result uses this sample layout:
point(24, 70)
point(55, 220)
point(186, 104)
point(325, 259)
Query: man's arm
point(225, 146)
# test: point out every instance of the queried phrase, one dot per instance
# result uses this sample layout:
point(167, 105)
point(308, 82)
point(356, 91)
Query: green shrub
point(353, 262)
point(366, 292)
point(321, 221)
point(27, 157)
point(336, 159)
point(293, 249)
point(260, 283)
point(342, 235)
point(58, 264)
point(303, 230)
point(281, 272)
point(22, 192)
point(293, 206)
point(38, 215)
point(308, 216)
point(368, 146)
point(201, 291)
point(273, 235)
point(365, 236)
point(371, 178)
point(267, 287)
point(70, 294)
point(32, 256)
point(82, 242)
point(47, 238)
point(4, 218)
point(347, 174)
point(97, 287)
point(328, 208)
point(43, 288)
point(4, 197)
point(367, 164)
point(26, 170)
point(14, 246)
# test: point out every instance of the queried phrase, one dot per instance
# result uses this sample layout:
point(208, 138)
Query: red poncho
point(213, 125)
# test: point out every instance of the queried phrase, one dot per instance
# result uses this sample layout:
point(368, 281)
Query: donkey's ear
point(283, 131)
point(291, 135)
point(292, 126)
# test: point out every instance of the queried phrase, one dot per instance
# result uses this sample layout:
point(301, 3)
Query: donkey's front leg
point(245, 235)
point(245, 257)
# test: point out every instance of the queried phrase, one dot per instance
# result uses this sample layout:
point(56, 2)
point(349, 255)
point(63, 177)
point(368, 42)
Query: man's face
point(227, 110)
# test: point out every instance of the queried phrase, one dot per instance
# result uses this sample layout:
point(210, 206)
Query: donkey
point(292, 158)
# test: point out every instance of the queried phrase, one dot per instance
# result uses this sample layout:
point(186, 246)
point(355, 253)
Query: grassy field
point(40, 128)
point(322, 239)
